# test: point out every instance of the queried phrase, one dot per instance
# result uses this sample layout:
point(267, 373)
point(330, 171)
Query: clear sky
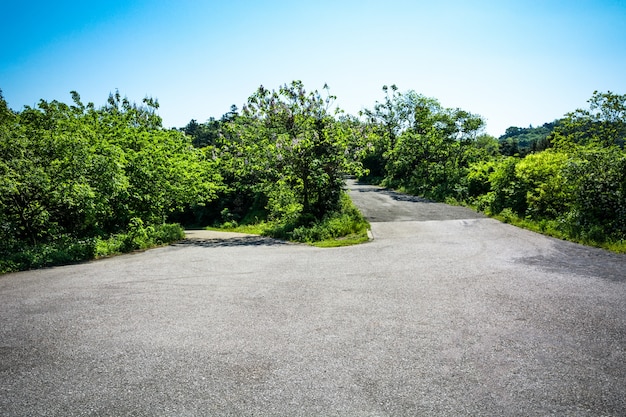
point(515, 63)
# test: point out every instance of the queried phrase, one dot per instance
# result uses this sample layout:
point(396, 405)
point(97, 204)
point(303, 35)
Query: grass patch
point(354, 239)
point(556, 229)
point(345, 227)
point(66, 250)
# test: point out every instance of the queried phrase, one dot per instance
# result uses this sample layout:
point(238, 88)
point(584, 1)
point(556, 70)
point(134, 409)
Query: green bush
point(548, 192)
point(339, 224)
point(507, 191)
point(68, 250)
point(138, 238)
point(599, 193)
point(62, 251)
point(478, 178)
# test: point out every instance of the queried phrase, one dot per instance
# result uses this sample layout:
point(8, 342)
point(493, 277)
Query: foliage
point(478, 177)
point(346, 221)
point(344, 227)
point(598, 206)
point(282, 159)
point(566, 178)
point(138, 237)
point(522, 141)
point(78, 181)
point(425, 148)
point(87, 173)
point(306, 145)
point(547, 188)
point(603, 124)
point(506, 191)
point(60, 251)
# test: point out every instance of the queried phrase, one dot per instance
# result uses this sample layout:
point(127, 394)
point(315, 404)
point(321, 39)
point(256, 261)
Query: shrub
point(138, 237)
point(508, 192)
point(548, 193)
point(598, 193)
point(344, 222)
point(63, 250)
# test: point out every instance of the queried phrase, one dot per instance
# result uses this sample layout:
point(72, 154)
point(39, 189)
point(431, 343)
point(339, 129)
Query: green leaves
point(603, 124)
point(306, 147)
point(424, 148)
point(87, 172)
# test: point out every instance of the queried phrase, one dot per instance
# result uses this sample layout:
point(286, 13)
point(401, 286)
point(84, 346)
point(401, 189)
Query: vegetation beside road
point(343, 227)
point(567, 180)
point(79, 181)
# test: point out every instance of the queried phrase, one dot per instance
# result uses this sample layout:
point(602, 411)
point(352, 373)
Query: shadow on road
point(575, 259)
point(232, 242)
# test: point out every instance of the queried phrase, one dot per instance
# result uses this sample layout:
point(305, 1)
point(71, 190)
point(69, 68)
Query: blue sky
point(516, 63)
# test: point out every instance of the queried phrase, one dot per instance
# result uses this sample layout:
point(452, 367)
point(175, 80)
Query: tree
point(522, 141)
point(602, 124)
point(598, 178)
point(425, 145)
point(81, 171)
point(305, 147)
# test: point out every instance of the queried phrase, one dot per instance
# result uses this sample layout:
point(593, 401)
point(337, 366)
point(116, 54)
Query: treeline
point(523, 141)
point(78, 181)
point(282, 160)
point(569, 181)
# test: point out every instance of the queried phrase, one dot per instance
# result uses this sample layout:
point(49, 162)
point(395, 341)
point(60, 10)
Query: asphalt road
point(444, 313)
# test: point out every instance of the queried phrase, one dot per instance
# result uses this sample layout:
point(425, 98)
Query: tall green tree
point(81, 171)
point(426, 144)
point(603, 123)
point(308, 150)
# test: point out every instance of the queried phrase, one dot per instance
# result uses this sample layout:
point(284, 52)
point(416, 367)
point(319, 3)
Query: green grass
point(350, 240)
point(554, 229)
point(251, 229)
point(65, 250)
point(343, 228)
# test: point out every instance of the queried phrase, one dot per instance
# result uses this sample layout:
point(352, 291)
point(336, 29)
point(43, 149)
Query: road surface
point(444, 313)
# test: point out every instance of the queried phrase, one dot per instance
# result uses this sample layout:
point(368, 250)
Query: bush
point(478, 178)
point(548, 193)
point(138, 238)
point(62, 251)
point(345, 222)
point(599, 193)
point(68, 250)
point(507, 191)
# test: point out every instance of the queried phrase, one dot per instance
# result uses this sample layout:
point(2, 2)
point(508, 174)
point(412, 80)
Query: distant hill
point(524, 140)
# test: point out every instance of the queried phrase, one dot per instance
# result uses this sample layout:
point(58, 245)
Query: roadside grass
point(554, 228)
point(350, 240)
point(66, 250)
point(251, 229)
point(345, 227)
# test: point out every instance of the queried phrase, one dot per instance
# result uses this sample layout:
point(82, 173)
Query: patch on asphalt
point(581, 260)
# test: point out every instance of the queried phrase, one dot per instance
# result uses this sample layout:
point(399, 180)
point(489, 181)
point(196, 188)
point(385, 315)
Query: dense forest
point(80, 181)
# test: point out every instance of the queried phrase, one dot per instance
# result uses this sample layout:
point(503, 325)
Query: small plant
point(62, 251)
point(138, 238)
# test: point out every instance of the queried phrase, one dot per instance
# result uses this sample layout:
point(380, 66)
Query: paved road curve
point(445, 313)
